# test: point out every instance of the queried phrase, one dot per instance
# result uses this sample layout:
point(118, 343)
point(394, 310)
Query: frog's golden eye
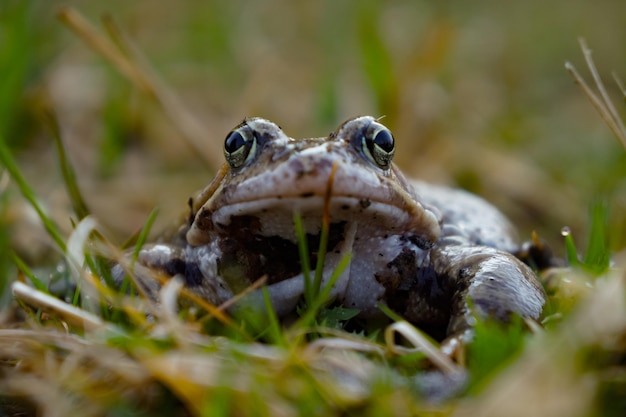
point(378, 145)
point(239, 146)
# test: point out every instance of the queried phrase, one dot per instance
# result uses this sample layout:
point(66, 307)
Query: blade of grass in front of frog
point(323, 246)
point(303, 250)
point(73, 315)
point(214, 311)
point(219, 312)
point(143, 234)
point(37, 283)
point(422, 342)
point(69, 175)
point(77, 257)
point(127, 285)
point(597, 257)
point(274, 331)
point(390, 313)
point(77, 292)
point(322, 298)
point(6, 158)
point(321, 256)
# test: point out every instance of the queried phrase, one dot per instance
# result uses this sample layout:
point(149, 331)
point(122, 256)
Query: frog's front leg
point(197, 267)
point(488, 283)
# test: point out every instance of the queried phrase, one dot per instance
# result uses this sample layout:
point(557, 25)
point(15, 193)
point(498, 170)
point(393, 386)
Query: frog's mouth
point(275, 216)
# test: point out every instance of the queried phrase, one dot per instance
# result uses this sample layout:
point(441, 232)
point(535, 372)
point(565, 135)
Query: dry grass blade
point(130, 63)
point(598, 80)
point(188, 125)
point(73, 315)
point(418, 340)
point(89, 34)
point(240, 296)
point(603, 105)
point(339, 343)
point(597, 103)
point(620, 84)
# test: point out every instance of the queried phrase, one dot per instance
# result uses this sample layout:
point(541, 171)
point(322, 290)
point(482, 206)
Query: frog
point(437, 256)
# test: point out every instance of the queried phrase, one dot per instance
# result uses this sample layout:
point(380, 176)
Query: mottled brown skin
point(428, 252)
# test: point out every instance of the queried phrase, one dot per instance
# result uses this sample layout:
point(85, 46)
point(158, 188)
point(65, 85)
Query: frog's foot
point(489, 283)
point(157, 263)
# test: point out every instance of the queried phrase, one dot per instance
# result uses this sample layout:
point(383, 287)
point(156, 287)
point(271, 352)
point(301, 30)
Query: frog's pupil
point(233, 142)
point(384, 140)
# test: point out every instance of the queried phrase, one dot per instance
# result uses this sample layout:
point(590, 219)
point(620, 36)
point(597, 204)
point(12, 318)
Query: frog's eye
point(240, 144)
point(378, 145)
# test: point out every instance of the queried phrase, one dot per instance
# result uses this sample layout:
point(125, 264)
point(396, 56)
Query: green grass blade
point(69, 176)
point(390, 313)
point(321, 257)
point(570, 247)
point(143, 235)
point(322, 298)
point(597, 257)
point(274, 330)
point(304, 257)
point(21, 265)
point(9, 163)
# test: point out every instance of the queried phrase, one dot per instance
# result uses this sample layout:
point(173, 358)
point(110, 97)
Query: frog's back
point(467, 218)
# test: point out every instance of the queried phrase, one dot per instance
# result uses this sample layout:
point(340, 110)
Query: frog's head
point(270, 176)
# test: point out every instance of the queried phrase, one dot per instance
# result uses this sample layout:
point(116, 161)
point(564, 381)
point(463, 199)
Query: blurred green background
point(475, 92)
